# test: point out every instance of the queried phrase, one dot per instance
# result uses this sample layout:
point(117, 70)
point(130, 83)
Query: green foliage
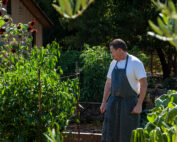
point(170, 83)
point(71, 8)
point(140, 55)
point(98, 18)
point(162, 125)
point(96, 62)
point(19, 95)
point(15, 41)
point(167, 22)
point(26, 72)
point(54, 135)
point(68, 61)
point(109, 19)
point(151, 82)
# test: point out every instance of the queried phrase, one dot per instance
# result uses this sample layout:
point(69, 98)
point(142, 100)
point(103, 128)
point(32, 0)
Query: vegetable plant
point(162, 121)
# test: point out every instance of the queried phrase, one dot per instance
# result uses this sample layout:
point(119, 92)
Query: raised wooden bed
point(84, 137)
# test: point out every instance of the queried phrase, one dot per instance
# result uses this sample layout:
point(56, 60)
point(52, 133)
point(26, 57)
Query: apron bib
point(118, 121)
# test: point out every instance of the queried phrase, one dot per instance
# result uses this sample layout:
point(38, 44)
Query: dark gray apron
point(118, 121)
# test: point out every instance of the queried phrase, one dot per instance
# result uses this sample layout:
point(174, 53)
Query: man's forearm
point(143, 88)
point(107, 90)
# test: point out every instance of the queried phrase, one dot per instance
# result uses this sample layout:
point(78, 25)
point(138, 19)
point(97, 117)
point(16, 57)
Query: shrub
point(162, 121)
point(95, 65)
point(68, 61)
point(15, 39)
point(140, 55)
point(19, 96)
point(170, 83)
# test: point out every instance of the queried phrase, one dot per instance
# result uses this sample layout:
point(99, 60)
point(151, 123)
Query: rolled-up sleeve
point(111, 67)
point(139, 70)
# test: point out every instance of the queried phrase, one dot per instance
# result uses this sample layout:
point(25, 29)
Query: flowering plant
point(15, 39)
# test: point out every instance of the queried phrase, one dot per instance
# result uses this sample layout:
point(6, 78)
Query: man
point(126, 79)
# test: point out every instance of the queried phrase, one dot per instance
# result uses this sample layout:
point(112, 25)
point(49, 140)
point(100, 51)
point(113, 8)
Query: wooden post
point(151, 63)
point(39, 107)
point(77, 104)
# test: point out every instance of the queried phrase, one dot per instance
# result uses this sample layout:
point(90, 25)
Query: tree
point(166, 31)
point(105, 20)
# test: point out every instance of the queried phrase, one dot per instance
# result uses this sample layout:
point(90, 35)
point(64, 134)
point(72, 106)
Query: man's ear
point(120, 50)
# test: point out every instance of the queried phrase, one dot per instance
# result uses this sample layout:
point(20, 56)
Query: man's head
point(118, 43)
point(118, 49)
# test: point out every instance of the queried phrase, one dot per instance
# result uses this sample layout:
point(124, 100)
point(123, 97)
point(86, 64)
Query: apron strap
point(126, 62)
point(116, 64)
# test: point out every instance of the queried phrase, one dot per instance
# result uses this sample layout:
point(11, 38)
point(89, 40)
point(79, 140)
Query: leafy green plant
point(170, 83)
point(167, 22)
point(151, 82)
point(15, 40)
point(95, 64)
point(19, 91)
point(54, 135)
point(68, 61)
point(139, 54)
point(32, 95)
point(162, 121)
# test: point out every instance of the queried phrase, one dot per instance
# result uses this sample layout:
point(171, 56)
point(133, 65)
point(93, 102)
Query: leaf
point(155, 28)
point(77, 6)
point(151, 117)
point(171, 115)
point(21, 138)
point(3, 9)
point(171, 105)
point(48, 137)
point(81, 106)
point(164, 38)
point(1, 22)
point(163, 27)
point(158, 102)
point(133, 136)
point(65, 4)
point(57, 8)
point(150, 126)
point(12, 59)
point(61, 5)
point(171, 6)
point(152, 136)
point(164, 17)
point(84, 3)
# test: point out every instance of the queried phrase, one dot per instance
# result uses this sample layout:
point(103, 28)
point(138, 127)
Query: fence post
point(39, 107)
point(77, 103)
point(151, 64)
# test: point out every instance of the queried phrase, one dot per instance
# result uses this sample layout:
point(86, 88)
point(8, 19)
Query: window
point(34, 39)
point(9, 7)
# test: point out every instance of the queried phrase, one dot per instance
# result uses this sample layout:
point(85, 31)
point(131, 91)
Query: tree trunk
point(170, 61)
point(174, 65)
point(165, 67)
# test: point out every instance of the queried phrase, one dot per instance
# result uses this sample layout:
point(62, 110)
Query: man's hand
point(143, 87)
point(137, 109)
point(107, 90)
point(103, 107)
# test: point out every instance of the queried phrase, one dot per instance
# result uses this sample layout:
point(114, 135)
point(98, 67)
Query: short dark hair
point(118, 43)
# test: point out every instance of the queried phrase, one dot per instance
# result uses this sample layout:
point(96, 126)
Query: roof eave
point(37, 12)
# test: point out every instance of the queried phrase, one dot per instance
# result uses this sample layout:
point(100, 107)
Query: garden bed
point(88, 132)
point(86, 128)
point(82, 137)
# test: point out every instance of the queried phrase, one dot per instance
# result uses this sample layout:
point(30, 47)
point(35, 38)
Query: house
point(24, 11)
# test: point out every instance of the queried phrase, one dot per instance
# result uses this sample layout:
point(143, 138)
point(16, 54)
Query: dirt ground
point(86, 128)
